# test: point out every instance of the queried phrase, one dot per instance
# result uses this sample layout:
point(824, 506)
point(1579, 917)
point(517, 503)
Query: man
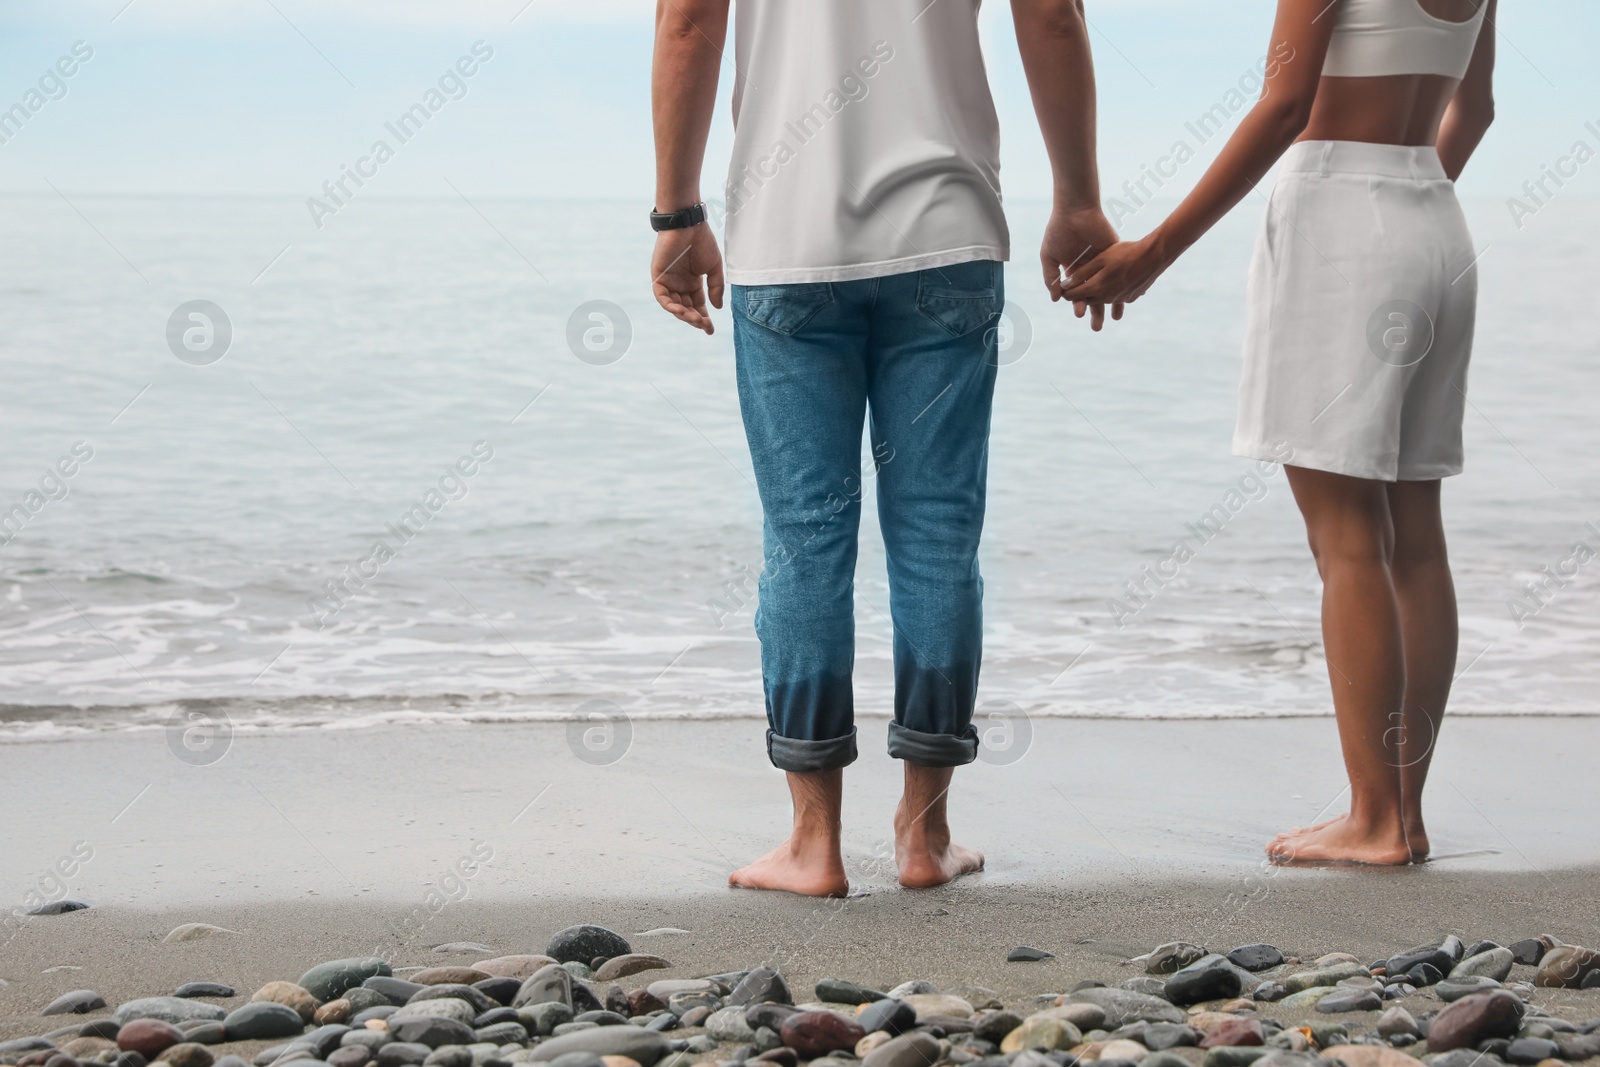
point(865, 235)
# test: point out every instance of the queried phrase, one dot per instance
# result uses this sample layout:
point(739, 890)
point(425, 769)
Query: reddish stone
point(148, 1037)
point(817, 1033)
point(1473, 1018)
point(1232, 1032)
point(643, 1002)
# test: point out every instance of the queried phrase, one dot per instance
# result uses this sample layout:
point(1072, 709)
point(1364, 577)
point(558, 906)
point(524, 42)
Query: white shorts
point(1362, 298)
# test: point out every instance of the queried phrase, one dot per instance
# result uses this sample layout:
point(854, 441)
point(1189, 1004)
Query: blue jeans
point(918, 350)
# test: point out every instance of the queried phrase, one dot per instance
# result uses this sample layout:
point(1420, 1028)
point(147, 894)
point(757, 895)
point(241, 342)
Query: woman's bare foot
point(923, 851)
point(1417, 838)
point(810, 866)
point(809, 861)
point(1342, 840)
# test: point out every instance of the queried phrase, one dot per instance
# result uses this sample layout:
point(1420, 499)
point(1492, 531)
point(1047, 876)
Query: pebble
point(148, 1037)
point(1494, 963)
point(205, 989)
point(908, 1050)
point(334, 1011)
point(289, 994)
point(349, 1056)
point(99, 1028)
point(891, 1015)
point(514, 966)
point(187, 1054)
point(394, 990)
point(1256, 957)
point(194, 932)
point(1452, 989)
point(842, 991)
point(53, 907)
point(1173, 957)
point(85, 1047)
point(431, 1030)
point(1208, 978)
point(1350, 999)
point(1396, 1020)
point(168, 1009)
point(1236, 1056)
point(1232, 1033)
point(916, 985)
point(1474, 1018)
point(1163, 1059)
point(402, 1054)
point(629, 963)
point(1148, 984)
point(205, 1033)
point(262, 1020)
point(1160, 1036)
point(1326, 975)
point(1042, 1032)
point(926, 1005)
point(586, 942)
point(1531, 1050)
point(327, 980)
point(638, 1044)
point(1122, 1006)
point(1306, 998)
point(1566, 966)
point(550, 983)
point(1369, 1056)
point(1028, 954)
point(449, 976)
point(479, 1000)
point(728, 1024)
point(78, 1002)
point(762, 985)
point(436, 1008)
point(1529, 951)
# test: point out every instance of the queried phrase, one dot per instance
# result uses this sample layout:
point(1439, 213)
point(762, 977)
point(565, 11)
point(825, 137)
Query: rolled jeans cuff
point(933, 750)
point(792, 754)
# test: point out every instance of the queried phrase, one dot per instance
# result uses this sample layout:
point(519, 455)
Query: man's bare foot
point(809, 861)
point(923, 867)
point(1341, 840)
point(923, 851)
point(812, 868)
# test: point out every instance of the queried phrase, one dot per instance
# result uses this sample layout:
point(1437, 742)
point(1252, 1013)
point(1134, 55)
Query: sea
point(445, 462)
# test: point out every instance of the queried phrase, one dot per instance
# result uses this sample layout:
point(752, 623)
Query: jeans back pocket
point(961, 297)
point(785, 309)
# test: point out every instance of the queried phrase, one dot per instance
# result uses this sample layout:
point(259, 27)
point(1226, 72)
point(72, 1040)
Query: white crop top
point(1377, 37)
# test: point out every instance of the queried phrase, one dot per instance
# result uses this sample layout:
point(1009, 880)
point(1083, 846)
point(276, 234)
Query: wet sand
point(1105, 839)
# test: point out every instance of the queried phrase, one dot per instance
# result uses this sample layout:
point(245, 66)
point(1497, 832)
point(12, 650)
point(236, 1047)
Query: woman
point(1361, 301)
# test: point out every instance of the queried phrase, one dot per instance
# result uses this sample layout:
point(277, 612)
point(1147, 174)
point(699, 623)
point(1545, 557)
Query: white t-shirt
point(865, 143)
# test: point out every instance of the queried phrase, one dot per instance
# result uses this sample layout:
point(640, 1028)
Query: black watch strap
point(681, 219)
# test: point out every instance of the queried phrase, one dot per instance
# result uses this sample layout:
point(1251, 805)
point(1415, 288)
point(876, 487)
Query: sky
point(275, 97)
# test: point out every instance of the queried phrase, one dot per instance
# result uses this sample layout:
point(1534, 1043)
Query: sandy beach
point(1104, 840)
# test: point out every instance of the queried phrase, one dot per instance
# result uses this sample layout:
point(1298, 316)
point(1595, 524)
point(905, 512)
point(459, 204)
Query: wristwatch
point(681, 219)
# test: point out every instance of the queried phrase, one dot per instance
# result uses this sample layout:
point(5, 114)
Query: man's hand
point(1072, 238)
point(685, 263)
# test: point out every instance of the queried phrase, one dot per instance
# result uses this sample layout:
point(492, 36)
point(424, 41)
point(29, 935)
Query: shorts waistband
point(1418, 162)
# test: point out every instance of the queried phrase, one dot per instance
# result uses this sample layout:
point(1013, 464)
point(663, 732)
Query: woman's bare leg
point(1352, 537)
point(1427, 597)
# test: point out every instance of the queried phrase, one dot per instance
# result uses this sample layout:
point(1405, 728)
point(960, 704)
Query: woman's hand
point(1120, 274)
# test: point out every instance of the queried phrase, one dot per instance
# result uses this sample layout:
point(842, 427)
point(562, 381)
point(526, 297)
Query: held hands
point(1073, 237)
point(1119, 274)
point(684, 265)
